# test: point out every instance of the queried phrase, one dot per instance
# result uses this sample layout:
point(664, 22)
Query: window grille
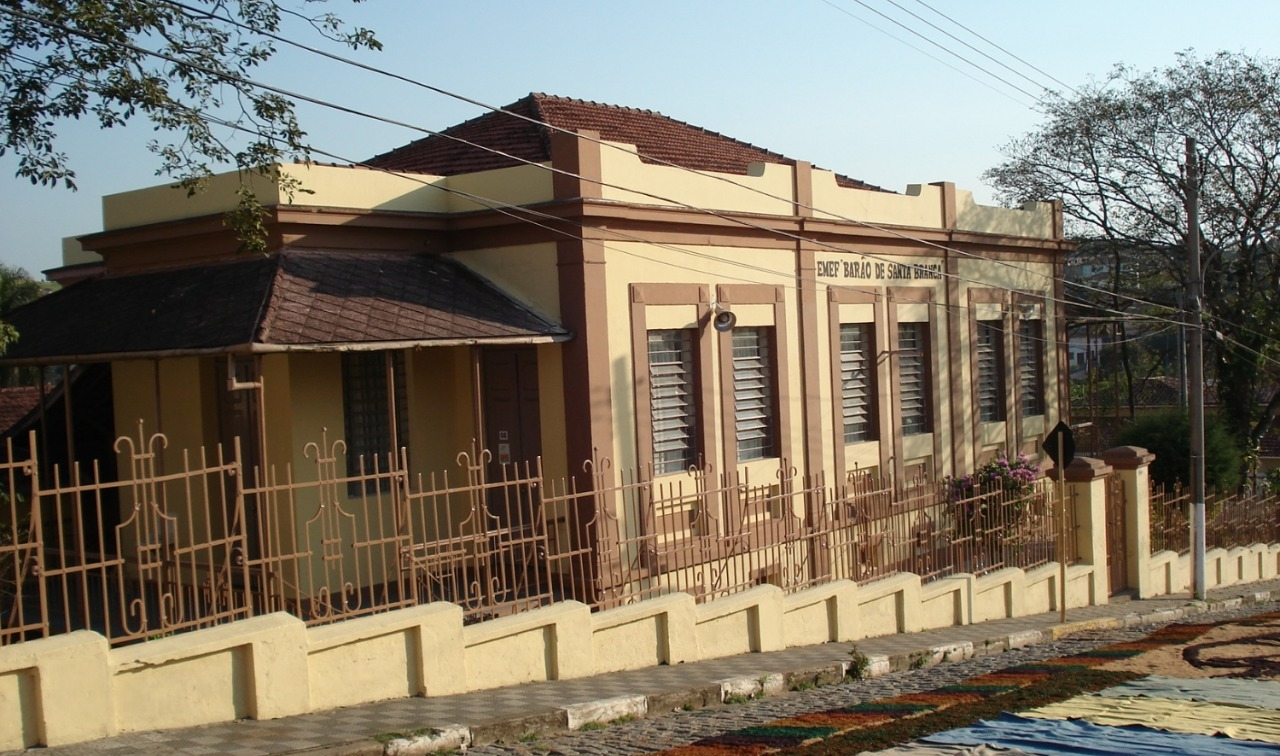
point(1031, 367)
point(672, 402)
point(857, 382)
point(753, 394)
point(913, 379)
point(990, 375)
point(366, 409)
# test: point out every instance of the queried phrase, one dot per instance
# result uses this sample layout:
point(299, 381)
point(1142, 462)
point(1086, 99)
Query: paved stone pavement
point(676, 705)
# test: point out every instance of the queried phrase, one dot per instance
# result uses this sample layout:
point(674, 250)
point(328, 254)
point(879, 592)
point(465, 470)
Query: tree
point(1168, 436)
point(183, 66)
point(16, 289)
point(1113, 152)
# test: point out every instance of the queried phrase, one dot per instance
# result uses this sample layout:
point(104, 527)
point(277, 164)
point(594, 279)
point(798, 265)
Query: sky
point(832, 82)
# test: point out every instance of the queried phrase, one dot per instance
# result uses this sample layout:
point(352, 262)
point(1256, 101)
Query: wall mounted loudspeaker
point(724, 321)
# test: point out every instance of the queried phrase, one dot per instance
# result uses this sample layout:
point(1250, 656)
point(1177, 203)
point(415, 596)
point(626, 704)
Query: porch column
point(1131, 463)
point(1087, 492)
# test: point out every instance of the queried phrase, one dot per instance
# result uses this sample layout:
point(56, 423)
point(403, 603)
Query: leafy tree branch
point(181, 66)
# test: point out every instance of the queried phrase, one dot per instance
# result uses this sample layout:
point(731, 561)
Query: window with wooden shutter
point(755, 415)
point(857, 389)
point(366, 409)
point(913, 378)
point(671, 400)
point(989, 359)
point(1031, 367)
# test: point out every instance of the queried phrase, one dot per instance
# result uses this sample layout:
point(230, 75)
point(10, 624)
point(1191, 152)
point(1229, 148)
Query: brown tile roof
point(293, 299)
point(658, 139)
point(16, 402)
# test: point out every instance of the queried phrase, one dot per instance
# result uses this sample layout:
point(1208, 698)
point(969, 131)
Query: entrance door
point(512, 429)
point(516, 571)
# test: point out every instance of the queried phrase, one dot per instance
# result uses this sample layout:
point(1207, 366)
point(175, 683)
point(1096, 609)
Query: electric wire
point(927, 54)
point(496, 109)
point(1001, 49)
point(1000, 63)
point(946, 49)
point(287, 93)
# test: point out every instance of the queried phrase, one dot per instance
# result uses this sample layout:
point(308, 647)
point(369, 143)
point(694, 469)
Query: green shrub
point(1168, 436)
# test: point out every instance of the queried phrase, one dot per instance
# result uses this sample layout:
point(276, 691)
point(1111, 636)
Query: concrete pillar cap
point(1083, 470)
point(1128, 457)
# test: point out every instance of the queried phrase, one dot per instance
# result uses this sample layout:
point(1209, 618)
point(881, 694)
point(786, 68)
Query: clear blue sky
point(806, 78)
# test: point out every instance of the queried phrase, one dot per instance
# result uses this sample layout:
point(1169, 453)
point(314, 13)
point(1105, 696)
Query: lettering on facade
point(868, 270)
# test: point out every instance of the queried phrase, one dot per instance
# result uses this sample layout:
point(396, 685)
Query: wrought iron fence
point(1170, 519)
point(211, 540)
point(1230, 519)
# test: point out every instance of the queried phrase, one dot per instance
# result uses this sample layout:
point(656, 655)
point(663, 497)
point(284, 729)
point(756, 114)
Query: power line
point(722, 215)
point(998, 47)
point(552, 127)
point(946, 49)
point(926, 53)
point(934, 26)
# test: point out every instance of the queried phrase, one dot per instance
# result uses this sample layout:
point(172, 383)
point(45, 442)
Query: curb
point(573, 717)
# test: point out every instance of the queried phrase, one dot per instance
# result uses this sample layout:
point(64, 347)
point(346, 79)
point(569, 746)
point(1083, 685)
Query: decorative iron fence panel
point(1240, 519)
point(210, 540)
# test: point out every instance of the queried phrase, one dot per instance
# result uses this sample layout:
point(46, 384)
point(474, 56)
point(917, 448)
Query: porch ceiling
point(302, 300)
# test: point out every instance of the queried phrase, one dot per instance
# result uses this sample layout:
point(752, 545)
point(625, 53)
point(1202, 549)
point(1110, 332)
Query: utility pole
point(1195, 372)
point(1182, 359)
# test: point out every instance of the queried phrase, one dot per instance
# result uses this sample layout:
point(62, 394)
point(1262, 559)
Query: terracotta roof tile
point(658, 139)
point(296, 298)
point(16, 403)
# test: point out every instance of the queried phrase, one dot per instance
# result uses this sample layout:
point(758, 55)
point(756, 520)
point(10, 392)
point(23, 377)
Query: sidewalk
point(557, 706)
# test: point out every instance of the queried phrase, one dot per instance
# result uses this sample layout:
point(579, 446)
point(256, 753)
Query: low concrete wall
point(1170, 572)
point(74, 687)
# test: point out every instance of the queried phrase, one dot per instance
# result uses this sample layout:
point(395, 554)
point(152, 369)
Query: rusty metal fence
point(1230, 519)
point(183, 541)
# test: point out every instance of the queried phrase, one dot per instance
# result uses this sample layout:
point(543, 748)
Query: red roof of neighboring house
point(523, 133)
point(16, 403)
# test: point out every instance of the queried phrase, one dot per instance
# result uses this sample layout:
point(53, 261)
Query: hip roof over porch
point(296, 300)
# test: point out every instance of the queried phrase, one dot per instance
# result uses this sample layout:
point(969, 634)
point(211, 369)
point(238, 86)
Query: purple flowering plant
point(1016, 477)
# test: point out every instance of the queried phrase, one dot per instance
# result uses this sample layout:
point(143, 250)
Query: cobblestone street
point(658, 733)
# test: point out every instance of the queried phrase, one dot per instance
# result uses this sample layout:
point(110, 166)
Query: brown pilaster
point(803, 196)
point(949, 212)
point(576, 160)
point(810, 372)
point(584, 311)
point(956, 320)
point(583, 308)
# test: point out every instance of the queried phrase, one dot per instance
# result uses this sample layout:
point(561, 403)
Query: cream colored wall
point(336, 187)
point(440, 417)
point(500, 188)
point(277, 382)
point(74, 254)
point(315, 402)
point(184, 412)
point(528, 272)
point(555, 462)
point(1169, 572)
point(73, 688)
point(326, 186)
point(1034, 219)
point(769, 189)
point(919, 206)
point(766, 189)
